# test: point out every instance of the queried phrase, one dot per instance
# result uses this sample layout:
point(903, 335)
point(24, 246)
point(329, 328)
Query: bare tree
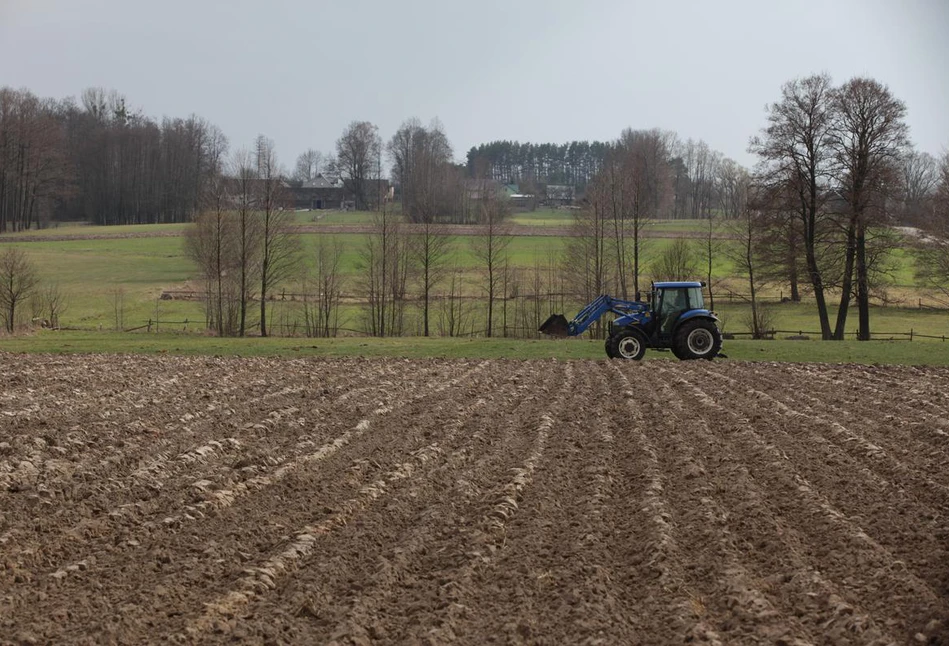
point(607, 196)
point(401, 151)
point(279, 245)
point(588, 265)
point(780, 242)
point(308, 165)
point(633, 188)
point(677, 261)
point(358, 152)
point(429, 249)
point(99, 160)
point(321, 315)
point(869, 136)
point(49, 303)
point(701, 164)
point(932, 266)
point(490, 246)
point(211, 244)
point(453, 315)
point(749, 226)
point(117, 296)
point(919, 181)
point(421, 159)
point(796, 163)
point(383, 261)
point(648, 186)
point(18, 280)
point(421, 165)
point(247, 239)
point(942, 191)
point(731, 187)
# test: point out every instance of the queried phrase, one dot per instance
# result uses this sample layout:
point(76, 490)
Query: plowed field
point(361, 501)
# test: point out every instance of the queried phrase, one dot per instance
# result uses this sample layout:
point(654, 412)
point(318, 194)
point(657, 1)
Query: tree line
point(688, 169)
point(513, 162)
point(99, 161)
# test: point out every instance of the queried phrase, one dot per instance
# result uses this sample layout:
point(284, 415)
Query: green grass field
point(96, 273)
point(90, 271)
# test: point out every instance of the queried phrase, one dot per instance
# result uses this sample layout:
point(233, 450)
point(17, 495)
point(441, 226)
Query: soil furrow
point(200, 552)
point(765, 578)
point(866, 572)
point(368, 612)
point(674, 600)
point(888, 486)
point(902, 428)
point(401, 527)
point(93, 508)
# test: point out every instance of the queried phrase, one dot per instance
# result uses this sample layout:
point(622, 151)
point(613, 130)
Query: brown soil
point(353, 501)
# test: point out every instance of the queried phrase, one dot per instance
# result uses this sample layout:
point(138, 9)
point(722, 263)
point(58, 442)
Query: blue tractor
point(674, 317)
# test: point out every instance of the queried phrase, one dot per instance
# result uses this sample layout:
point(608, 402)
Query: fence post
point(149, 326)
point(911, 334)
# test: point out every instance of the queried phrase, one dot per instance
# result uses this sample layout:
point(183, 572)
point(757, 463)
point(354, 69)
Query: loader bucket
point(556, 325)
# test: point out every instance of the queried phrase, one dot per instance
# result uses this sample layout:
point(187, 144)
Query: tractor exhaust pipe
point(556, 325)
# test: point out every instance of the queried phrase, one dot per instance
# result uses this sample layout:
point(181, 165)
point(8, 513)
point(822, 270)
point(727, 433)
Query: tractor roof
point(675, 284)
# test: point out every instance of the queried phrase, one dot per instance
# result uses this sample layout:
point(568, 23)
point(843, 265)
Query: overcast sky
point(530, 70)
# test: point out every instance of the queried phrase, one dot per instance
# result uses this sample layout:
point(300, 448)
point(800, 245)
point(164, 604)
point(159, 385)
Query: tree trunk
point(243, 301)
point(755, 328)
point(263, 301)
point(847, 284)
point(490, 301)
point(818, 285)
point(636, 257)
point(711, 296)
point(792, 270)
point(425, 295)
point(863, 287)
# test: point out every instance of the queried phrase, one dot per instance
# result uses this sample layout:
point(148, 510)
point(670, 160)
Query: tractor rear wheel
point(697, 339)
point(626, 344)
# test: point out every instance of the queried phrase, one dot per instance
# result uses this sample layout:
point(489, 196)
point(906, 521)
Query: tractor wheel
point(610, 347)
point(627, 344)
point(697, 339)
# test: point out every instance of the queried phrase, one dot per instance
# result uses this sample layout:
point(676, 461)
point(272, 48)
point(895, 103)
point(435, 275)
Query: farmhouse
point(323, 192)
point(320, 193)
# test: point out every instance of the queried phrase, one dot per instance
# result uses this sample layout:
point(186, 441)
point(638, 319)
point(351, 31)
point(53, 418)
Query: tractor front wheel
point(626, 344)
point(610, 347)
point(697, 339)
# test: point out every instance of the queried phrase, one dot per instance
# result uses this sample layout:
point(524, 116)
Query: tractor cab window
point(673, 302)
point(695, 299)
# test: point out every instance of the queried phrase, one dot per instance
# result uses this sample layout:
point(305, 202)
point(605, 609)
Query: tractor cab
point(671, 300)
